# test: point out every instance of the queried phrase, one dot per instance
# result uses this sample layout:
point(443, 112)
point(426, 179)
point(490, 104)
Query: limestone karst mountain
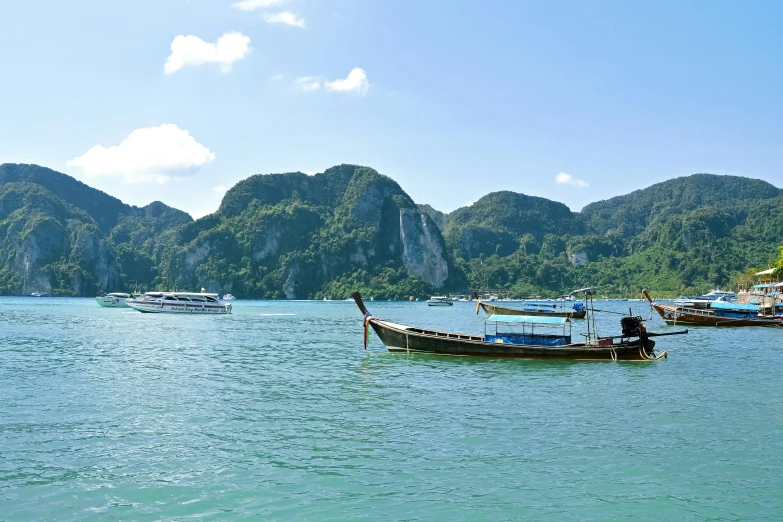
point(295, 236)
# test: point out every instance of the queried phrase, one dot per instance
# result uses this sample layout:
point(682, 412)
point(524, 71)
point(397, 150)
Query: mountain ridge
point(295, 235)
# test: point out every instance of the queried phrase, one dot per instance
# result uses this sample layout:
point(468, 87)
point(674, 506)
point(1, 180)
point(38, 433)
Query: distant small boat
point(113, 300)
point(39, 294)
point(228, 297)
point(439, 301)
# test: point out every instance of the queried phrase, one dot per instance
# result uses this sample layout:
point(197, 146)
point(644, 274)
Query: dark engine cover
point(631, 326)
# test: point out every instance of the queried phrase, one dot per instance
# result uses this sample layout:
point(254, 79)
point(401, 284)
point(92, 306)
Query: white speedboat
point(39, 294)
point(439, 301)
point(113, 300)
point(228, 297)
point(179, 303)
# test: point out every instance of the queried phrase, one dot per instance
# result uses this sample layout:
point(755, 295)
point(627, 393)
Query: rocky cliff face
point(37, 245)
point(423, 249)
point(58, 235)
point(293, 236)
point(581, 257)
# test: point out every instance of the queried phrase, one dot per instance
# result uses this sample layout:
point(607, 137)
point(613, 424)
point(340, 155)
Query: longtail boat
point(532, 309)
point(718, 314)
point(528, 337)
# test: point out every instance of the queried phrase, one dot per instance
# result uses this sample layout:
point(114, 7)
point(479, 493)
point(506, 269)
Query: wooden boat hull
point(674, 315)
point(678, 315)
point(401, 338)
point(491, 309)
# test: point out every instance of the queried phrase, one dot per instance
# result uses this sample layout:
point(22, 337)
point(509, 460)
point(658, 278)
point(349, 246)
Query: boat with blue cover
point(518, 336)
point(718, 313)
point(576, 310)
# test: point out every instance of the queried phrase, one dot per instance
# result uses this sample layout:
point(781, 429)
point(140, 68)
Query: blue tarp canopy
point(527, 319)
point(723, 305)
point(763, 286)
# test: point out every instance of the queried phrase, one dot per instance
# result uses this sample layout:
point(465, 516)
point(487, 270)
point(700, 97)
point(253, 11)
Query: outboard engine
point(631, 326)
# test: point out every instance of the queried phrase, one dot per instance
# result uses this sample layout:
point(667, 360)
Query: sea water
point(276, 412)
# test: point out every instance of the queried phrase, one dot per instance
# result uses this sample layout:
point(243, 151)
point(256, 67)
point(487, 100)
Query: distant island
point(294, 236)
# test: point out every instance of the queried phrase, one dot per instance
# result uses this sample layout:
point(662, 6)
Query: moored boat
point(438, 301)
point(113, 300)
point(718, 313)
point(577, 311)
point(517, 337)
point(179, 303)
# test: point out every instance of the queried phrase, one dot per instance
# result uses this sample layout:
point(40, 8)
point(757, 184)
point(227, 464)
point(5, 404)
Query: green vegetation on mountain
point(299, 236)
point(61, 236)
point(349, 228)
point(680, 236)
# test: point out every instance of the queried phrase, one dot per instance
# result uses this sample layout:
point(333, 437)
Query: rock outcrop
point(423, 249)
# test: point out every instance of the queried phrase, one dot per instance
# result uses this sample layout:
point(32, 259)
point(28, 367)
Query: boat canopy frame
point(529, 323)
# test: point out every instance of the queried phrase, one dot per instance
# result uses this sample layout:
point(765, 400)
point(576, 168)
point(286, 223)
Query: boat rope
point(613, 354)
point(645, 356)
point(367, 318)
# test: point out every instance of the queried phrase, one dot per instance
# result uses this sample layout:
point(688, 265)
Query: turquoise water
point(276, 412)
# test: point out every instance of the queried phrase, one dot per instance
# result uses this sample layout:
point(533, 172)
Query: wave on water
point(267, 315)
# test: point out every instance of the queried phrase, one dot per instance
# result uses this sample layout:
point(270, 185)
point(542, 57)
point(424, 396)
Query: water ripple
point(277, 412)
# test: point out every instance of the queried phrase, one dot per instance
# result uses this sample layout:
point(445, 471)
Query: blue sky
point(452, 99)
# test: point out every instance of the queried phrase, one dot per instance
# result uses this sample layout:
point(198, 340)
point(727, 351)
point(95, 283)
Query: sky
point(575, 101)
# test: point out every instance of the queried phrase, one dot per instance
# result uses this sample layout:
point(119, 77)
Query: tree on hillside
point(779, 265)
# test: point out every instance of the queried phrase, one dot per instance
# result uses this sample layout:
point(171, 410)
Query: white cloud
point(308, 83)
point(277, 77)
point(150, 154)
point(285, 17)
point(355, 82)
point(220, 189)
point(311, 172)
point(252, 5)
point(192, 50)
point(568, 179)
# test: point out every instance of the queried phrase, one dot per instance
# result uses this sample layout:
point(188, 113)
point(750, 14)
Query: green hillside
point(295, 236)
point(61, 236)
point(299, 236)
point(680, 236)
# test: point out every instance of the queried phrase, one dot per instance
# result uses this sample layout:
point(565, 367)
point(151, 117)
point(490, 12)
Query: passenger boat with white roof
point(179, 303)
